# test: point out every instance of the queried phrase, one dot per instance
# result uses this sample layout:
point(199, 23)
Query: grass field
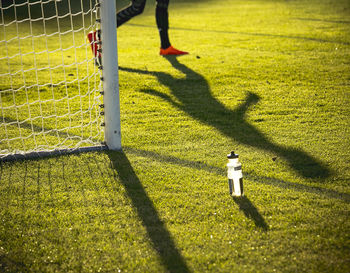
point(268, 79)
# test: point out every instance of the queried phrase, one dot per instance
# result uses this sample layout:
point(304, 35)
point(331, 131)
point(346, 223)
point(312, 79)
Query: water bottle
point(234, 175)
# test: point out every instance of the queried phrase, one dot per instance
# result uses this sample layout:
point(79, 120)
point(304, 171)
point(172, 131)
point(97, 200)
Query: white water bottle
point(234, 175)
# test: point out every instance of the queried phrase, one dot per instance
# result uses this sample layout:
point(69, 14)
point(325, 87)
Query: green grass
point(267, 79)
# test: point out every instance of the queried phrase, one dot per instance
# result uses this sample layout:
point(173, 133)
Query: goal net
point(51, 93)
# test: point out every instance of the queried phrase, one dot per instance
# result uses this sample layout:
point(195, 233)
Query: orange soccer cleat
point(95, 42)
point(172, 51)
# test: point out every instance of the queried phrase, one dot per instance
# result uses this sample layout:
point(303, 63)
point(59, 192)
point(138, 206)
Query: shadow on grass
point(160, 237)
point(250, 211)
point(193, 96)
point(278, 36)
point(322, 192)
point(44, 182)
point(322, 20)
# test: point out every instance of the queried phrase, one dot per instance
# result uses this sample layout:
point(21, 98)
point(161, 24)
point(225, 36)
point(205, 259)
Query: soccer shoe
point(171, 51)
point(95, 42)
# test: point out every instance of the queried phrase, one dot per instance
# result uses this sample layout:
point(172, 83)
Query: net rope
point(50, 89)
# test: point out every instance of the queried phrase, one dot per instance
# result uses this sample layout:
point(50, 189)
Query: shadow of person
point(160, 237)
point(193, 96)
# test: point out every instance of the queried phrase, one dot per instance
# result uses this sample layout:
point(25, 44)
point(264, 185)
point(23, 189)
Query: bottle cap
point(232, 155)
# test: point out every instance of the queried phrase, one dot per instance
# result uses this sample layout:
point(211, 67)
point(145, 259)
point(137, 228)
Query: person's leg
point(163, 26)
point(163, 22)
point(135, 8)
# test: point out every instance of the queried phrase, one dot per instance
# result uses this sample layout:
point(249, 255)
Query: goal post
point(53, 98)
point(110, 74)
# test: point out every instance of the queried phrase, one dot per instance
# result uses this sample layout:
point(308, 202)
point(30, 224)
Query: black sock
point(163, 25)
point(164, 38)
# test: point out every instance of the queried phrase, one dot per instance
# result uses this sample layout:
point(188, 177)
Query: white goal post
point(53, 98)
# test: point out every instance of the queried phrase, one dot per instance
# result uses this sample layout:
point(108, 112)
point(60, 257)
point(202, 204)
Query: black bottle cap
point(232, 155)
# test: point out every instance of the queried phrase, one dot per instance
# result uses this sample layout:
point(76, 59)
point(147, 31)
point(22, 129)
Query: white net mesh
point(49, 86)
